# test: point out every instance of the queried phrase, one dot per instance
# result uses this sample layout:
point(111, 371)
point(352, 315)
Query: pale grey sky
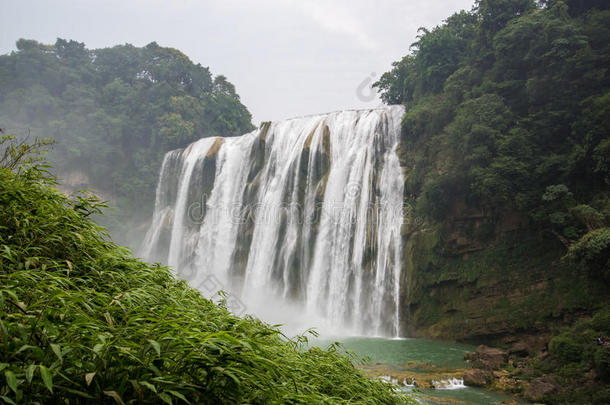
point(286, 57)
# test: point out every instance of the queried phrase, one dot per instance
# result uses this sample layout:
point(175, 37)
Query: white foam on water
point(449, 384)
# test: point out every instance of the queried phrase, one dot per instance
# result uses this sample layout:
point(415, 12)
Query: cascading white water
point(303, 214)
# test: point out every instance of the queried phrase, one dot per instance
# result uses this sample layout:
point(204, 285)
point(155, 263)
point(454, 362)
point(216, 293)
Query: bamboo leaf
point(98, 348)
point(47, 378)
point(165, 398)
point(29, 372)
point(114, 395)
point(155, 346)
point(149, 386)
point(108, 318)
point(7, 400)
point(11, 380)
point(179, 395)
point(24, 347)
point(57, 350)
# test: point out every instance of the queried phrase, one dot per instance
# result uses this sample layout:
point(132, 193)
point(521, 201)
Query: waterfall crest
point(300, 218)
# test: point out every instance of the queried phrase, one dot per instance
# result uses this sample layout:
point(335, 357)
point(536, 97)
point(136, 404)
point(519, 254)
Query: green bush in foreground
point(82, 321)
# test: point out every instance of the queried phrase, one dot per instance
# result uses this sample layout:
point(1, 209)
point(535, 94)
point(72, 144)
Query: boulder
point(477, 377)
point(541, 387)
point(489, 358)
point(504, 382)
point(519, 349)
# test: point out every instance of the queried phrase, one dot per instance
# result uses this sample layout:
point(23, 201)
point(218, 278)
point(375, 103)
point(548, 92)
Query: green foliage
point(565, 349)
point(507, 124)
point(435, 200)
point(602, 362)
point(495, 14)
point(397, 84)
point(437, 56)
point(114, 112)
point(592, 252)
point(577, 361)
point(601, 321)
point(504, 103)
point(14, 153)
point(428, 116)
point(82, 321)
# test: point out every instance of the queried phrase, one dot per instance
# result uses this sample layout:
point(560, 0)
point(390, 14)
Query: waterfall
point(298, 221)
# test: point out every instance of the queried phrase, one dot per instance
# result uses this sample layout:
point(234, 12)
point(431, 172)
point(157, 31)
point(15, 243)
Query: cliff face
point(485, 275)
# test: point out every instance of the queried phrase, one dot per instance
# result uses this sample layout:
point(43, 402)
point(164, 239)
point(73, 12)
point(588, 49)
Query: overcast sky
point(286, 57)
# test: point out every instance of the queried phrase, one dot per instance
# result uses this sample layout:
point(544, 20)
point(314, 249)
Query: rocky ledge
point(502, 371)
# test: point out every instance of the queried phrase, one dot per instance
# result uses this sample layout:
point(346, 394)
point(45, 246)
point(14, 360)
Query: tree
point(115, 111)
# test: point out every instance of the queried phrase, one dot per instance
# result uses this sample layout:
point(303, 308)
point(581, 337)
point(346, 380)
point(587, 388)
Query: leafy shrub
point(601, 321)
point(593, 252)
point(438, 194)
point(566, 349)
point(82, 321)
point(589, 216)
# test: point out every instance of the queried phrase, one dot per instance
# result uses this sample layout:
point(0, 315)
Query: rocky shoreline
point(507, 371)
point(531, 370)
point(504, 371)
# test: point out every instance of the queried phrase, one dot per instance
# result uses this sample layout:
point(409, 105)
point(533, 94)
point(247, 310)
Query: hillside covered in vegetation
point(82, 321)
point(517, 98)
point(114, 112)
point(505, 147)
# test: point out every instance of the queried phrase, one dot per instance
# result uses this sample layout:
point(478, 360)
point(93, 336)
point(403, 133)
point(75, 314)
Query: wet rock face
point(541, 387)
point(486, 358)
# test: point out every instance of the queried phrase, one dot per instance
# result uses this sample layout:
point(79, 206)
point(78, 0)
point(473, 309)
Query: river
point(429, 362)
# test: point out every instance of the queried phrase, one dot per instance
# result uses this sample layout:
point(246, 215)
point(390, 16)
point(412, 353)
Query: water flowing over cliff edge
point(298, 221)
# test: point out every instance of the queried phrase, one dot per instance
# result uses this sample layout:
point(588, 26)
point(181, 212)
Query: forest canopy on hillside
point(114, 112)
point(513, 98)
